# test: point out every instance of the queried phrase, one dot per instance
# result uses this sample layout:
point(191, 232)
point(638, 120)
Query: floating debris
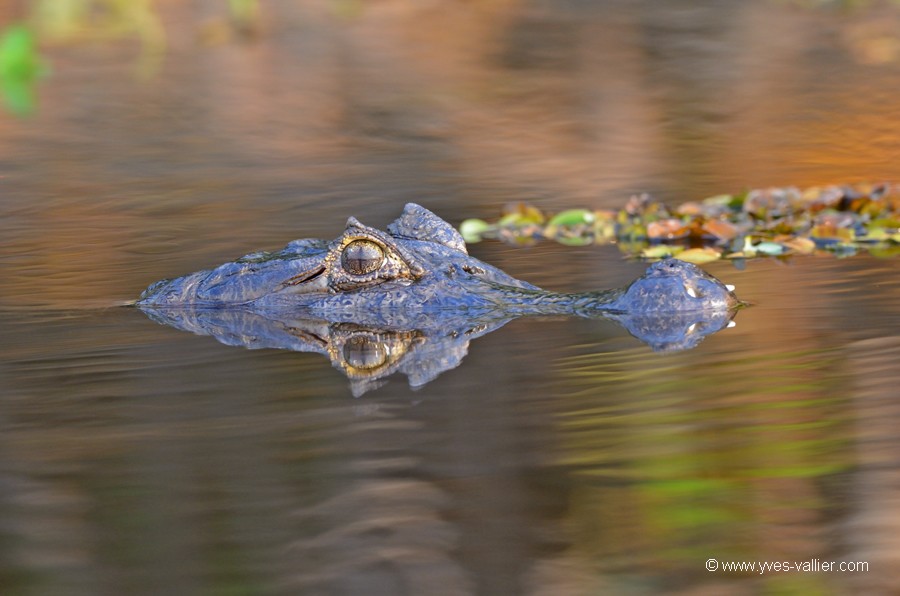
point(772, 222)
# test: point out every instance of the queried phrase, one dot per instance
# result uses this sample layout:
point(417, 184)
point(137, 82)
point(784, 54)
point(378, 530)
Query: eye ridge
point(362, 256)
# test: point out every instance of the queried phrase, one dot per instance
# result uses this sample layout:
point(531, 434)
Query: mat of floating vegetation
point(773, 222)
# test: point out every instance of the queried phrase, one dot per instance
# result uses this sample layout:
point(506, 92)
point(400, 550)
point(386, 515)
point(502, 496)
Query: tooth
point(691, 292)
point(692, 327)
point(731, 324)
point(729, 287)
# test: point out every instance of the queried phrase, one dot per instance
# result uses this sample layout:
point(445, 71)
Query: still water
point(560, 456)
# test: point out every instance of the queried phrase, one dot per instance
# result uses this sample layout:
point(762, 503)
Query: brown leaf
point(666, 229)
point(722, 230)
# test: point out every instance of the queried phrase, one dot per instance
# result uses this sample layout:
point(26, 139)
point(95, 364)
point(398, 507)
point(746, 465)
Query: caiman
point(411, 299)
point(418, 268)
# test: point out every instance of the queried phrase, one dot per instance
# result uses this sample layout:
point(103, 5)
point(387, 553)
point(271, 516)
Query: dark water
point(562, 456)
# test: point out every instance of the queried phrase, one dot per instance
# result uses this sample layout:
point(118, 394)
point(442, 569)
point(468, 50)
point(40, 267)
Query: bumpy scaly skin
point(424, 269)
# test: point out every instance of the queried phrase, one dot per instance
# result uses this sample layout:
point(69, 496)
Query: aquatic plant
point(772, 222)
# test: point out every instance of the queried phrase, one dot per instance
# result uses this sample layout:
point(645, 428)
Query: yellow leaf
point(699, 256)
point(803, 246)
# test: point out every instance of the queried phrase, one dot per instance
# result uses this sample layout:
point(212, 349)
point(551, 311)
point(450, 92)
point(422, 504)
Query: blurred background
point(143, 139)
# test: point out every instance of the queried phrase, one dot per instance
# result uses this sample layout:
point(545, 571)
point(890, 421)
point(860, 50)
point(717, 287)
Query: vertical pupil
point(361, 257)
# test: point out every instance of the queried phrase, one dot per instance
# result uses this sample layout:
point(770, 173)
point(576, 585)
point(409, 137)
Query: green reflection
point(680, 460)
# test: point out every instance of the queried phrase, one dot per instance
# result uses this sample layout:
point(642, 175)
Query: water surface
point(562, 456)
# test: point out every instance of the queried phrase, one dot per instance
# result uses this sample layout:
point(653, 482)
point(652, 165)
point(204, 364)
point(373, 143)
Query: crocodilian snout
point(676, 286)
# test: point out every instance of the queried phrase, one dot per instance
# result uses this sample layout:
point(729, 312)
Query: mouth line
point(304, 277)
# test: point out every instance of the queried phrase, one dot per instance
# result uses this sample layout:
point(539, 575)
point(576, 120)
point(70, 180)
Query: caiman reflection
point(411, 298)
point(366, 354)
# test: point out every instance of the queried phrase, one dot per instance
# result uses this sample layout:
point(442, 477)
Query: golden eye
point(361, 257)
point(364, 353)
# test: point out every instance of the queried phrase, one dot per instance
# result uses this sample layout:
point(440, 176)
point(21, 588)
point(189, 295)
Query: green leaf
point(885, 251)
point(885, 222)
point(723, 200)
point(572, 217)
point(472, 230)
point(660, 251)
point(875, 234)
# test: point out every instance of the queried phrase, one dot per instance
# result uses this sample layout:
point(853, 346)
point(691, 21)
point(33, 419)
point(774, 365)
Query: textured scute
point(418, 223)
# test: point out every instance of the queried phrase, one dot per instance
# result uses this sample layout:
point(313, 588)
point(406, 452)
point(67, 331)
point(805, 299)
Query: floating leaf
point(723, 200)
point(885, 251)
point(803, 246)
point(660, 251)
point(604, 226)
point(720, 229)
point(572, 217)
point(885, 222)
point(527, 236)
point(698, 256)
point(690, 209)
point(874, 234)
point(769, 203)
point(829, 231)
point(571, 227)
point(473, 230)
point(748, 249)
point(770, 248)
point(666, 229)
point(517, 214)
point(767, 222)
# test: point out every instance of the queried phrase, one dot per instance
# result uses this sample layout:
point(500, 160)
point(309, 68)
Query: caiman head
point(420, 260)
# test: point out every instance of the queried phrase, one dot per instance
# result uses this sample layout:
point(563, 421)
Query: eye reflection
point(364, 353)
point(361, 257)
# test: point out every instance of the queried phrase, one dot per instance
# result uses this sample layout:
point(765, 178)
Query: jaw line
point(312, 280)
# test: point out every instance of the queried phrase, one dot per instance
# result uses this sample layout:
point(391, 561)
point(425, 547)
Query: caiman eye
point(361, 257)
point(364, 353)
